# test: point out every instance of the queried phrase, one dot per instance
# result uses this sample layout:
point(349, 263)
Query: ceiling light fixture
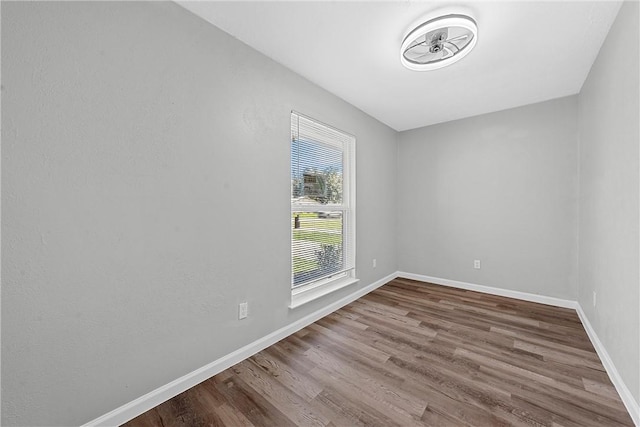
point(439, 42)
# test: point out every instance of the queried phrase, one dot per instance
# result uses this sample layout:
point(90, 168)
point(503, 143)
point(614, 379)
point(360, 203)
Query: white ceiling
point(527, 52)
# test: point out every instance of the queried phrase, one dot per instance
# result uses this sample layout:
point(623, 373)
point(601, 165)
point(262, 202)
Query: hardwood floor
point(413, 354)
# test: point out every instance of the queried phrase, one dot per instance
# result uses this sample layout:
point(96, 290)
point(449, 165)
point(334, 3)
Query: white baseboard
point(624, 392)
point(558, 302)
point(132, 409)
point(142, 404)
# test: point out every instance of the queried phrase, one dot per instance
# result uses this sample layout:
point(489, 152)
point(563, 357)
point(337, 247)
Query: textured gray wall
point(609, 140)
point(145, 193)
point(499, 188)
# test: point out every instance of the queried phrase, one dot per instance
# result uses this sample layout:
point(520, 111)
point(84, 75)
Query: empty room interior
point(320, 213)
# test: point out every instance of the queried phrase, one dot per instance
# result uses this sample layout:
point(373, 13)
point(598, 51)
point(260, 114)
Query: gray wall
point(145, 193)
point(500, 188)
point(609, 140)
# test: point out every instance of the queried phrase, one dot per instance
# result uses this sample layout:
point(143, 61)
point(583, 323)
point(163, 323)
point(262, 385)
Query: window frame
point(324, 285)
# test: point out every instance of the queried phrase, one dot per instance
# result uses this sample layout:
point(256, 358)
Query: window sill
point(301, 297)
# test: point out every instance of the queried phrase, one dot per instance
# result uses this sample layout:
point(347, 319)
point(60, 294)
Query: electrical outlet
point(476, 264)
point(375, 263)
point(243, 309)
point(594, 298)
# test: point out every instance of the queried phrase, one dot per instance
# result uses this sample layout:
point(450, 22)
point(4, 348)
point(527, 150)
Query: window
point(322, 209)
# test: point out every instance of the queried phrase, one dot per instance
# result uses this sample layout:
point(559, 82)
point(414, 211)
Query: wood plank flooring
point(413, 354)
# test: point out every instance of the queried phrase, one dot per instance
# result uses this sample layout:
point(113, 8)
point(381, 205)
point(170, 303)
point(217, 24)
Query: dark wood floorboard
point(413, 354)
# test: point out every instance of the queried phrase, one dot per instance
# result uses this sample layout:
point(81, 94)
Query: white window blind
point(322, 214)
